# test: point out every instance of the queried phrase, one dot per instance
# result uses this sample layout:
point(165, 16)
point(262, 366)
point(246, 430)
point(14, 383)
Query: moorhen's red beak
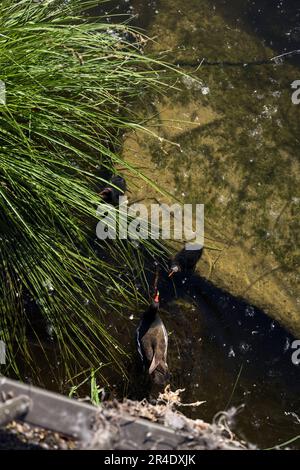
point(171, 273)
point(156, 298)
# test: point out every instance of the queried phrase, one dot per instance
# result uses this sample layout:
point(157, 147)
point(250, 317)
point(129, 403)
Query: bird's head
point(106, 194)
point(175, 268)
point(156, 299)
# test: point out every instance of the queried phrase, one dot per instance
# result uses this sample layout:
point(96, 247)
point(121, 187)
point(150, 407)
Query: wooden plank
point(138, 434)
point(70, 417)
point(13, 409)
point(51, 410)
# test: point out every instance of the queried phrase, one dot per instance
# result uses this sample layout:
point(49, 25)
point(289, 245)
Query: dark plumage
point(152, 343)
point(111, 193)
point(185, 260)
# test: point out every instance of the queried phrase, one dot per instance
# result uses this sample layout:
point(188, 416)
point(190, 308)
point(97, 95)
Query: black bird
point(152, 343)
point(111, 194)
point(185, 260)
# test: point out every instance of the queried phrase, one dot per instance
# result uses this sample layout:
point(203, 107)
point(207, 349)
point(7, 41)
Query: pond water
point(235, 132)
point(234, 135)
point(230, 140)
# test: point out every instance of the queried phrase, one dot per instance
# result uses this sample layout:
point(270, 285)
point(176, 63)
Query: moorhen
point(111, 194)
point(185, 260)
point(152, 343)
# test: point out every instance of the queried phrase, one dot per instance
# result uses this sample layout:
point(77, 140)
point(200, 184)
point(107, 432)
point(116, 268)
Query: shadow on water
point(276, 22)
point(230, 354)
point(222, 350)
point(137, 12)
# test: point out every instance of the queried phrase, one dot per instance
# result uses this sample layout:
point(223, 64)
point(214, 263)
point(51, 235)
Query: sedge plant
point(70, 82)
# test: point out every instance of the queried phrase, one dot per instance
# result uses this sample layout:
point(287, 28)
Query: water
point(238, 136)
point(237, 149)
point(235, 146)
point(221, 350)
point(230, 354)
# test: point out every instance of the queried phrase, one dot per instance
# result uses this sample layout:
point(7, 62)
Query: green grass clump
point(70, 82)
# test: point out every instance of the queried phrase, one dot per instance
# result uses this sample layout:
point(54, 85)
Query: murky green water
point(238, 154)
point(238, 133)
